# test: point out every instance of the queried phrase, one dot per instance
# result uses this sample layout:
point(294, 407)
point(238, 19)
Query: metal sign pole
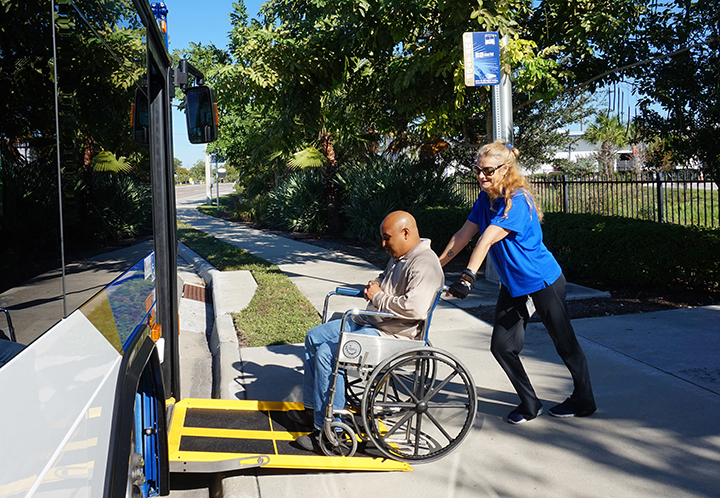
point(481, 55)
point(502, 106)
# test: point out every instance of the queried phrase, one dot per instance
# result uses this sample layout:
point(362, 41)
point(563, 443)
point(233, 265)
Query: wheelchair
point(411, 401)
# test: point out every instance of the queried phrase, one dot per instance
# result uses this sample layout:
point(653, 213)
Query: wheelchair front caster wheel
point(342, 441)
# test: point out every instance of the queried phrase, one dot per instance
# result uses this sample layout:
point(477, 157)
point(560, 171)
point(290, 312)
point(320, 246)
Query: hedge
point(440, 223)
point(616, 251)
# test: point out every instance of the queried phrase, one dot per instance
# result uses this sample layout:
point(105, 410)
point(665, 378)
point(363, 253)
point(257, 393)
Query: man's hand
point(461, 288)
point(371, 289)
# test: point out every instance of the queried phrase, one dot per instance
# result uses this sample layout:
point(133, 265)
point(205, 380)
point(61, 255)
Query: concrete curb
point(223, 341)
point(202, 267)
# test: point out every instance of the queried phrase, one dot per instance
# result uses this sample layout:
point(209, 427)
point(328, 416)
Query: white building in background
point(572, 153)
point(583, 149)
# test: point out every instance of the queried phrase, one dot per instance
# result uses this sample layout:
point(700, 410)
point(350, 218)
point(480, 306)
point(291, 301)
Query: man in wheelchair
point(406, 288)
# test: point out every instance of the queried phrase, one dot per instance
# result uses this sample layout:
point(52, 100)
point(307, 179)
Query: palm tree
point(610, 133)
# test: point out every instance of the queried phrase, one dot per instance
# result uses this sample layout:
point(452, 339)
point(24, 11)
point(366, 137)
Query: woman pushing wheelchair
point(508, 221)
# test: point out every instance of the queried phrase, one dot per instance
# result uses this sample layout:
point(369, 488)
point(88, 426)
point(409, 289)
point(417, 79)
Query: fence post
point(564, 193)
point(661, 214)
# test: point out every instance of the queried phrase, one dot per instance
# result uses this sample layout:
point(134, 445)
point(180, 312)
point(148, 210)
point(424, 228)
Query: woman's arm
point(458, 242)
point(490, 236)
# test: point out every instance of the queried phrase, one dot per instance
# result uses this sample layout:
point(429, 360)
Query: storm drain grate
point(196, 293)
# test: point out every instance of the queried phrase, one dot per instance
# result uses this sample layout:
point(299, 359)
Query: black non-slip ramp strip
point(248, 420)
point(281, 422)
point(227, 445)
point(291, 448)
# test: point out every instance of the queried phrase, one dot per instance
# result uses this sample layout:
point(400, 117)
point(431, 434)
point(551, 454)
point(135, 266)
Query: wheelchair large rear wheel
point(419, 405)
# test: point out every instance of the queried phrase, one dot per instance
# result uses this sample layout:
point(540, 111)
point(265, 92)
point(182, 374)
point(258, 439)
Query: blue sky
point(200, 22)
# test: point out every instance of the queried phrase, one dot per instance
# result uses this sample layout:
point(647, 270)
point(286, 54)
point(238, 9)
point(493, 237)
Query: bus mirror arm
point(182, 72)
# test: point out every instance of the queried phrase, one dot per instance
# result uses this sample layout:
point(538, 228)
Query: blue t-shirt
point(522, 261)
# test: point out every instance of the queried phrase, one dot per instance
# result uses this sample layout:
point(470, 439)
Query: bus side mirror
point(201, 114)
point(140, 117)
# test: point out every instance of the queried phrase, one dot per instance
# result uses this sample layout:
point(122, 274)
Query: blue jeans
point(321, 344)
point(8, 349)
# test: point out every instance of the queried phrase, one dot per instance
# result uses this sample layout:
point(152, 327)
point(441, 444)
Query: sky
point(200, 22)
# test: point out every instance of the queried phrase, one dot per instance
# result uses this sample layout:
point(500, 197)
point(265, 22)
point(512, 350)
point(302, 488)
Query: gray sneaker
point(309, 442)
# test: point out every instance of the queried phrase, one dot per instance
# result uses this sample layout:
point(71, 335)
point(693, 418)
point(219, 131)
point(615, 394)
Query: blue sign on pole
point(481, 55)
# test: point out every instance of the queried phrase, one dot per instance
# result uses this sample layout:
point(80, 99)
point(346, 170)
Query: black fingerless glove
point(461, 288)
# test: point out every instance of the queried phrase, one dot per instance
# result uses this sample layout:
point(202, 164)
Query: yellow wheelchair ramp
point(213, 435)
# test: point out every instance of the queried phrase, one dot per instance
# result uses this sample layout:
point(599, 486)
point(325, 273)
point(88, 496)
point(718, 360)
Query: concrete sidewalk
point(656, 378)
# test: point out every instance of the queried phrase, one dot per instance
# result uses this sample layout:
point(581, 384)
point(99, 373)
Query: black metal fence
point(681, 197)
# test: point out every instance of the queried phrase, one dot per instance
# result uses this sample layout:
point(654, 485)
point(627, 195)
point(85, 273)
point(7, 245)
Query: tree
point(610, 133)
point(95, 93)
point(685, 85)
point(541, 127)
point(197, 172)
point(340, 76)
point(353, 79)
point(589, 37)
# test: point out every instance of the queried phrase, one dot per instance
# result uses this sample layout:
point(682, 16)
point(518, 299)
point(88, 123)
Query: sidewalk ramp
point(214, 435)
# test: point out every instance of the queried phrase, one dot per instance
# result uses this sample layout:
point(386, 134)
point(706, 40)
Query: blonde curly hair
point(504, 153)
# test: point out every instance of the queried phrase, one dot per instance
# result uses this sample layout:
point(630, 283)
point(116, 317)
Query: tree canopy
point(358, 77)
point(684, 86)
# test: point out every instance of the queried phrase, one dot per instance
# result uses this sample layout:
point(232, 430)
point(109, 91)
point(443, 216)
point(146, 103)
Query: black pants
point(508, 337)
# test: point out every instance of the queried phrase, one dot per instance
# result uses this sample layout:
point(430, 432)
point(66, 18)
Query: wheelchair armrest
point(357, 312)
point(348, 291)
point(341, 291)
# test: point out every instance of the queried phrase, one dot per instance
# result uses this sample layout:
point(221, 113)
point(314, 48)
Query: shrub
point(626, 252)
point(296, 204)
point(439, 224)
point(123, 206)
point(252, 209)
point(374, 191)
point(252, 203)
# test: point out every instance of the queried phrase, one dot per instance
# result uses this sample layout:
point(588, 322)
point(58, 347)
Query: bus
point(84, 405)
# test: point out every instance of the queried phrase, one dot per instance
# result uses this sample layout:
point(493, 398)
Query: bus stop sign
point(481, 54)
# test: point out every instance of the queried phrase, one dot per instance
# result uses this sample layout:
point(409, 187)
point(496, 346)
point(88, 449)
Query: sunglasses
point(488, 171)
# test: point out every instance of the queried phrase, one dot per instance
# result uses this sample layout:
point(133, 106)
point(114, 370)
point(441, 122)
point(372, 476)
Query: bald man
point(406, 288)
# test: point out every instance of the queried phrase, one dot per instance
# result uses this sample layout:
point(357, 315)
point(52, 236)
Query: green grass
point(682, 206)
point(278, 313)
point(228, 203)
